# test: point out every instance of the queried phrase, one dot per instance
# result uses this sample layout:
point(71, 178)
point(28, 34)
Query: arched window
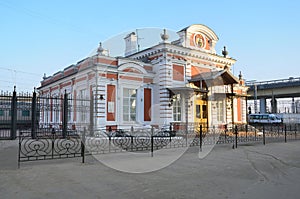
point(129, 104)
point(177, 108)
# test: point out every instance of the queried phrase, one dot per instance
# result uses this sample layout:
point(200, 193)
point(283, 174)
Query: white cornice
point(183, 51)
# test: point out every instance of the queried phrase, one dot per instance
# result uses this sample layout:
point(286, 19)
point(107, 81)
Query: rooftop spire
point(100, 49)
point(224, 52)
point(240, 76)
point(164, 36)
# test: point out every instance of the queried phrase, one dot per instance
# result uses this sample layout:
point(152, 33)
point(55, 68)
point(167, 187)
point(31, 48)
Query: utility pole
point(138, 40)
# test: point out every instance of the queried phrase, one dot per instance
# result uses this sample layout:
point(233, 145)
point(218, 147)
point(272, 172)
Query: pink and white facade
point(182, 81)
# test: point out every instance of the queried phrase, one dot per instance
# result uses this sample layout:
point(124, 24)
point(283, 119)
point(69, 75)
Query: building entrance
point(200, 111)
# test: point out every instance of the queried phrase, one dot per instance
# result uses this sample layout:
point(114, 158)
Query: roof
point(186, 88)
point(223, 77)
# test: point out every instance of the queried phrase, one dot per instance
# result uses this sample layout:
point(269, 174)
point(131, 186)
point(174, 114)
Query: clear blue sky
point(40, 37)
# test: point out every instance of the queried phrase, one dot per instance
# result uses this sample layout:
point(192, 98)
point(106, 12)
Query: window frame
point(177, 108)
point(129, 97)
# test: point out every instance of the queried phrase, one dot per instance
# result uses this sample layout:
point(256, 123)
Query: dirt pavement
point(252, 171)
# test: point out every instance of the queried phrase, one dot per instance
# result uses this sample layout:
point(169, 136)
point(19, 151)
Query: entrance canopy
point(186, 90)
point(215, 78)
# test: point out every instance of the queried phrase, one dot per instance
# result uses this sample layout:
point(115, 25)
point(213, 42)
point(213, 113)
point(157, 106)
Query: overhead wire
point(49, 19)
point(19, 71)
point(21, 79)
point(39, 16)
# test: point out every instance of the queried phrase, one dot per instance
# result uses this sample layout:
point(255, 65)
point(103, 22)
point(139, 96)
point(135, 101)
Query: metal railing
point(274, 83)
point(82, 143)
point(37, 115)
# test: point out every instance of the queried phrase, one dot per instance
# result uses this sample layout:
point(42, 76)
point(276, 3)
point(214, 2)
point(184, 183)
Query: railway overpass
point(274, 89)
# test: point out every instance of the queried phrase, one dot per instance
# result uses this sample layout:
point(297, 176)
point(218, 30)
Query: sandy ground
point(250, 171)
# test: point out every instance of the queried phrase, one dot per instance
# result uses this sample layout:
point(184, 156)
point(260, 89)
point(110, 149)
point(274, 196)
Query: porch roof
point(223, 77)
point(186, 89)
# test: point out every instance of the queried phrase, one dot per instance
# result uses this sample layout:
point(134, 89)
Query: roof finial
point(164, 36)
point(100, 49)
point(224, 52)
point(240, 76)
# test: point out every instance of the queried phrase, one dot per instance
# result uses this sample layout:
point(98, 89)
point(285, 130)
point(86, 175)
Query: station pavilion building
point(173, 82)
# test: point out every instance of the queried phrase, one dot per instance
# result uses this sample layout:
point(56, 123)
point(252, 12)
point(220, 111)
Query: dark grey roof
point(223, 77)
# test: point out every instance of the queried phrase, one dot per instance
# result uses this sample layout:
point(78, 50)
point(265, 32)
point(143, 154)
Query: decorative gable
point(131, 67)
point(132, 70)
point(198, 37)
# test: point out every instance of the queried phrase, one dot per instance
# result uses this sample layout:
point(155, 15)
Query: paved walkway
point(252, 171)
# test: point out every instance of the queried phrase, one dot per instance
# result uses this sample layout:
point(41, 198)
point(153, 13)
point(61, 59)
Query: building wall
point(105, 79)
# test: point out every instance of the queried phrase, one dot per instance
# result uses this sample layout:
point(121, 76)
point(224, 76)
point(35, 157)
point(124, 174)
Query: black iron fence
point(47, 130)
point(54, 145)
point(8, 113)
point(39, 115)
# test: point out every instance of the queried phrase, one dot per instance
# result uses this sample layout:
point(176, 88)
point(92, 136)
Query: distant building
point(179, 82)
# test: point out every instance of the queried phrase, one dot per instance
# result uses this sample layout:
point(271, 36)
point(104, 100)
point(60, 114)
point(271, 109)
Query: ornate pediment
point(198, 37)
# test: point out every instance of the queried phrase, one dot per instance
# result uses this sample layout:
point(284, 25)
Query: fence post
point(214, 134)
point(33, 115)
point(152, 129)
point(91, 126)
point(52, 142)
point(284, 132)
point(200, 138)
point(109, 142)
point(186, 136)
point(295, 131)
point(225, 134)
point(246, 132)
point(236, 135)
point(264, 136)
point(20, 147)
point(131, 130)
point(83, 145)
point(65, 115)
point(13, 130)
point(131, 142)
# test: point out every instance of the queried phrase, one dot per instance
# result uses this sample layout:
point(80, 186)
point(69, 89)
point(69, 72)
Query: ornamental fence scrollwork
point(48, 147)
point(54, 145)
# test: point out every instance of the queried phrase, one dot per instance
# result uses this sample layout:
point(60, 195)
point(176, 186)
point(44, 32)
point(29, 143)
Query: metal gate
point(38, 116)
